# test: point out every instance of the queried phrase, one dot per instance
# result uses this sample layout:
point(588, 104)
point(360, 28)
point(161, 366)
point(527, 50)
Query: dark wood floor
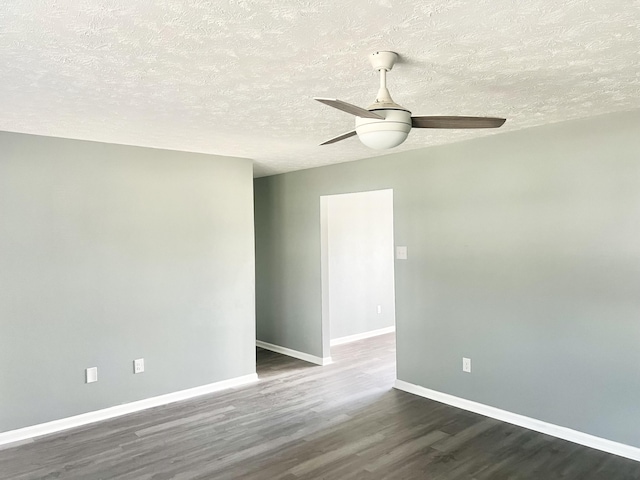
point(342, 421)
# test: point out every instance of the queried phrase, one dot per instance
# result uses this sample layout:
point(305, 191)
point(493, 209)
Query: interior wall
point(110, 253)
point(360, 262)
point(524, 255)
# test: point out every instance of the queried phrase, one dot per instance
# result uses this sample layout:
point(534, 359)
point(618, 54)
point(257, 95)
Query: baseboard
point(557, 431)
point(362, 336)
point(26, 433)
point(294, 353)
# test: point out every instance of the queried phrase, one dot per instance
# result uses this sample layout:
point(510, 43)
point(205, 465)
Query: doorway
point(358, 295)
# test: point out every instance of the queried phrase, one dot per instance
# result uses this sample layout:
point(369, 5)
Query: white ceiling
point(237, 77)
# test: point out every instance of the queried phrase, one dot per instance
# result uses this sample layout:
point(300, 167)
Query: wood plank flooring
point(342, 422)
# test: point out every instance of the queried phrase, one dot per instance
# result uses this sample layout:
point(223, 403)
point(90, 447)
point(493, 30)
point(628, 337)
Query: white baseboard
point(557, 431)
point(294, 353)
point(362, 336)
point(47, 428)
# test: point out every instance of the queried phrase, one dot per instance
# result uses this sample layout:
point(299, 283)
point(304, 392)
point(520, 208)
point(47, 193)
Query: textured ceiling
point(237, 77)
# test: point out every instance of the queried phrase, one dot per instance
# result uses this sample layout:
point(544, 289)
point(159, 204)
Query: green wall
point(110, 253)
point(524, 255)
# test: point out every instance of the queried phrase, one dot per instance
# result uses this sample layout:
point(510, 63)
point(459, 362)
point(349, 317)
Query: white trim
point(47, 428)
point(362, 336)
point(564, 433)
point(294, 353)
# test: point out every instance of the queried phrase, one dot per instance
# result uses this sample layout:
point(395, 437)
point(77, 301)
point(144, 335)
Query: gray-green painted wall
point(110, 253)
point(524, 255)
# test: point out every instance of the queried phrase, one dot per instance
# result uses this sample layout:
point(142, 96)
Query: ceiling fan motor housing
point(384, 133)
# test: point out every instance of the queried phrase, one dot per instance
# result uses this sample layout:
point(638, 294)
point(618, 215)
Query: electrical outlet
point(91, 374)
point(379, 309)
point(466, 364)
point(138, 365)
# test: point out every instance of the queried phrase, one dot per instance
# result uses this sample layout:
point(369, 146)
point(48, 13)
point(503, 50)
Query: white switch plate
point(138, 365)
point(379, 309)
point(91, 374)
point(401, 253)
point(466, 364)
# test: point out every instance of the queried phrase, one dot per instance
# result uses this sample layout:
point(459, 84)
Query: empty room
point(320, 240)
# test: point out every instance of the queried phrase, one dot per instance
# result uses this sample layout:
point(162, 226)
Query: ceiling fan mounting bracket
point(383, 60)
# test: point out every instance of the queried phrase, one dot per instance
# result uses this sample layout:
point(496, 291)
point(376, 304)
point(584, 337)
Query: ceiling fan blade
point(347, 107)
point(456, 122)
point(340, 137)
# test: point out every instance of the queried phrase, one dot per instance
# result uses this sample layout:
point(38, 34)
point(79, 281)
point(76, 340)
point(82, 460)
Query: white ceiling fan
point(385, 124)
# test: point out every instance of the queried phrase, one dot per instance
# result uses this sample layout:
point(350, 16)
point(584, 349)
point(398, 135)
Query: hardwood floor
point(342, 421)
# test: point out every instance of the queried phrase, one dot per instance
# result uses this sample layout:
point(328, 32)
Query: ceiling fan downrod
point(384, 62)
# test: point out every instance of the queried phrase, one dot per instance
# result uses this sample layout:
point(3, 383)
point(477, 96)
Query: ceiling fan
point(385, 124)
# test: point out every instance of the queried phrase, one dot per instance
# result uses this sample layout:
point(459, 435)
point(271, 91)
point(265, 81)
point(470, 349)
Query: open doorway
point(358, 296)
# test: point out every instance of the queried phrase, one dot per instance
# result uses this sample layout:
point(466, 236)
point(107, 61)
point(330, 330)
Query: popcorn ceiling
point(237, 78)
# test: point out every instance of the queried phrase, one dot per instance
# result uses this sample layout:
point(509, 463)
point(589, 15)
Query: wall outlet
point(401, 253)
point(379, 309)
point(91, 374)
point(466, 364)
point(138, 365)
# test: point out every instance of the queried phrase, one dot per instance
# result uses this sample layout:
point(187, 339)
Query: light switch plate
point(91, 374)
point(401, 253)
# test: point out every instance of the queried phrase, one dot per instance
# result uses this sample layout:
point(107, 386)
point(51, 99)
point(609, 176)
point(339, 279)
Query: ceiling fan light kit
point(385, 124)
point(384, 133)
